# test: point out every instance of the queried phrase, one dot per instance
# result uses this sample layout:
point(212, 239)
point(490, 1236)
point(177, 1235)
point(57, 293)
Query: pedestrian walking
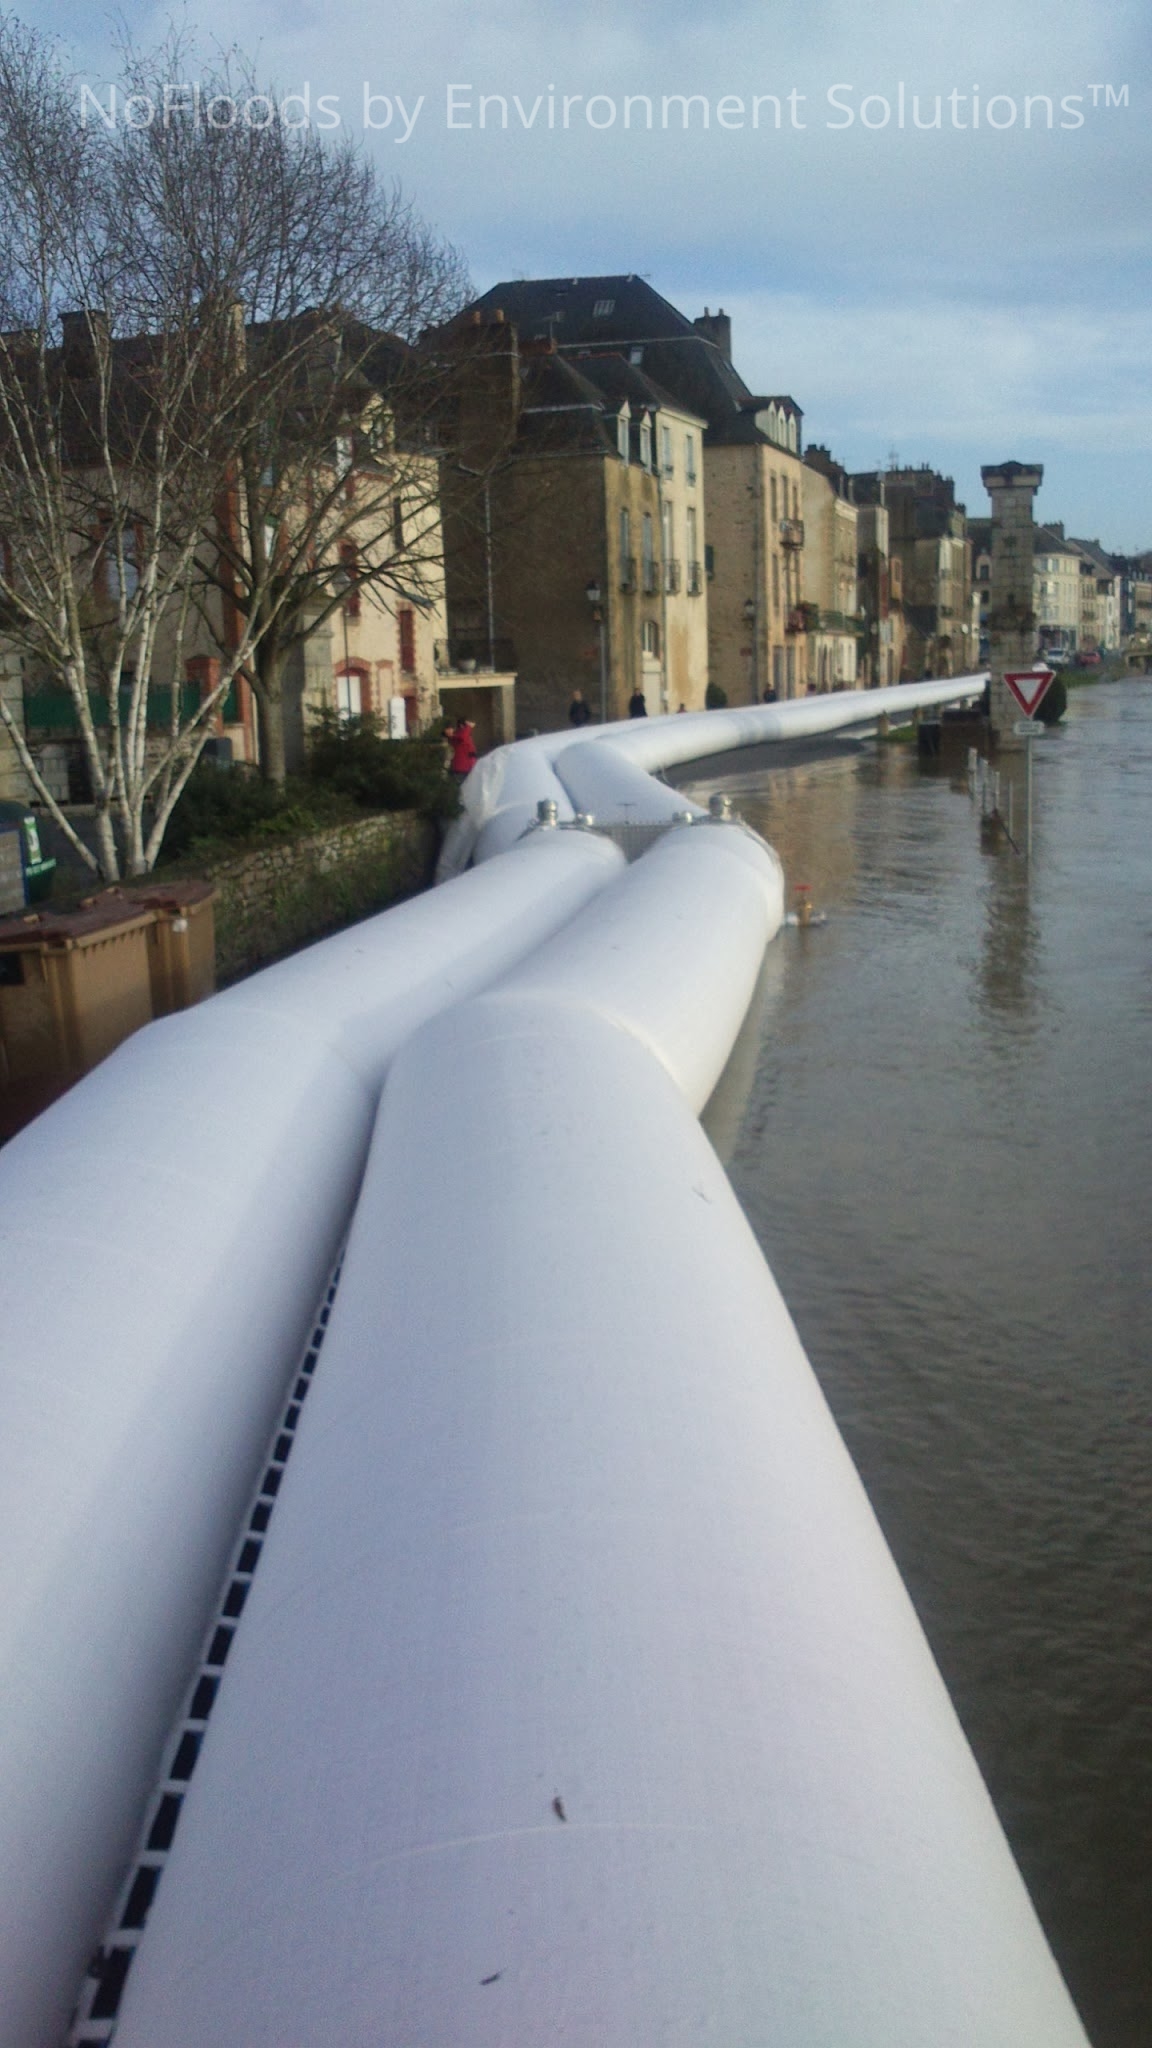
point(579, 712)
point(637, 708)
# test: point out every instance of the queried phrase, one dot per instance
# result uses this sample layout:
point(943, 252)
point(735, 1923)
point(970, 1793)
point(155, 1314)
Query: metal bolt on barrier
point(720, 806)
point(547, 811)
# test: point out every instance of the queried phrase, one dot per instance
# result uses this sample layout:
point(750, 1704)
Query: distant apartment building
point(758, 639)
point(928, 536)
point(1099, 598)
point(1056, 584)
point(831, 573)
point(752, 472)
point(880, 588)
point(1135, 577)
point(665, 440)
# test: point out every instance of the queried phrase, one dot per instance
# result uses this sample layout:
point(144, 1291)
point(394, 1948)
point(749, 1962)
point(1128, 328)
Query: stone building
point(575, 539)
point(752, 468)
point(881, 599)
point(1100, 599)
point(1056, 590)
point(928, 536)
point(1135, 578)
point(758, 625)
point(831, 565)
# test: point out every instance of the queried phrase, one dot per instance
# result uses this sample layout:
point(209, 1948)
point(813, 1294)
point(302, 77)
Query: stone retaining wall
point(291, 892)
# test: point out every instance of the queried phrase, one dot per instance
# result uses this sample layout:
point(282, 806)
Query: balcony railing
point(627, 572)
point(695, 578)
point(821, 620)
point(467, 651)
point(792, 533)
point(650, 573)
point(671, 577)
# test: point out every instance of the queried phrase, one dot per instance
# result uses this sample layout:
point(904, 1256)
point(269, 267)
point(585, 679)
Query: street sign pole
point(1028, 831)
point(1029, 687)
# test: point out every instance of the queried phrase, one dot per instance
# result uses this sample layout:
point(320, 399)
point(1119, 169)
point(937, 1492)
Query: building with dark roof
point(574, 526)
point(752, 447)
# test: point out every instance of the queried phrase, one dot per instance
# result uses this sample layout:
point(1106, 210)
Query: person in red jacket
point(461, 738)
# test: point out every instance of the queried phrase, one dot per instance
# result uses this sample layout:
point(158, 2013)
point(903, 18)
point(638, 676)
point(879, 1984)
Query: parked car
point(1055, 657)
point(1087, 661)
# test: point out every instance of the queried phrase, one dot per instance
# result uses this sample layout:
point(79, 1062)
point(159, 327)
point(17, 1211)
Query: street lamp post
point(593, 594)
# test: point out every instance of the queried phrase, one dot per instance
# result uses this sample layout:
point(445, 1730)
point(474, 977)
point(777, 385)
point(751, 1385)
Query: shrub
point(223, 804)
point(351, 757)
point(715, 699)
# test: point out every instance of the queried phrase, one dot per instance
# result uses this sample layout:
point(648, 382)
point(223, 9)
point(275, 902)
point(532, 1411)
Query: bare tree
point(117, 396)
point(192, 324)
point(334, 470)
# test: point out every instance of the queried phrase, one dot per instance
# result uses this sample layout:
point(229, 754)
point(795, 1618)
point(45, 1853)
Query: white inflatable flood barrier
point(501, 794)
point(577, 1698)
point(166, 1231)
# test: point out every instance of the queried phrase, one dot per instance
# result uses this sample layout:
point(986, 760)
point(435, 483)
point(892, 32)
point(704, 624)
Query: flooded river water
point(939, 1121)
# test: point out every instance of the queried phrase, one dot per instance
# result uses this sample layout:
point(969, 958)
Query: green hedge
point(350, 756)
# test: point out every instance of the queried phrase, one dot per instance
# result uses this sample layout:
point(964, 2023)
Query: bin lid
point(43, 930)
point(170, 894)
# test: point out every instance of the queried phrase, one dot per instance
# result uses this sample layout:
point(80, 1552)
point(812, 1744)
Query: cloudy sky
point(960, 293)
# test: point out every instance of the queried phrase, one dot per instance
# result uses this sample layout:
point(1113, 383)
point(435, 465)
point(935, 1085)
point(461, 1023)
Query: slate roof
point(685, 363)
point(619, 379)
point(1091, 551)
point(1045, 542)
point(561, 409)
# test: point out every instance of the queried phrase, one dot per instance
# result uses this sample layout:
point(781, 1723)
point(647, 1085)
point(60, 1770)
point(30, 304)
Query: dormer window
point(646, 442)
point(622, 425)
point(793, 437)
point(602, 308)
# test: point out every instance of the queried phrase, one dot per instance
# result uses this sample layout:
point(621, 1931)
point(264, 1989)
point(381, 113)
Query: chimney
point(716, 327)
point(86, 336)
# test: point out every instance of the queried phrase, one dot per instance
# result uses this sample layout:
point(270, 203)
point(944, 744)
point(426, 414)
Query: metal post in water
point(1028, 835)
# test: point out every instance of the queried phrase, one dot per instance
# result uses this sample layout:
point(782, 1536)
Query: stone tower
point(1011, 618)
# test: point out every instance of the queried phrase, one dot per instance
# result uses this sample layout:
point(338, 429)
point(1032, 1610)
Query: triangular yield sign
point(1028, 686)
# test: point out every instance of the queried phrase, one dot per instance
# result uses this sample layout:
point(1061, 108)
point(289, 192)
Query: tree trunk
point(269, 681)
point(273, 763)
point(106, 850)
